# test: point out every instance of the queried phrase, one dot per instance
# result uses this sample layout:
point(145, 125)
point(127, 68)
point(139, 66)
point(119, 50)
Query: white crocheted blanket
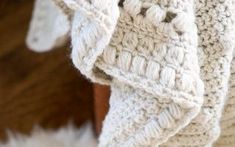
point(167, 61)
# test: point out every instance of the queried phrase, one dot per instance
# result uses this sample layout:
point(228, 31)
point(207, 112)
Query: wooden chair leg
point(101, 104)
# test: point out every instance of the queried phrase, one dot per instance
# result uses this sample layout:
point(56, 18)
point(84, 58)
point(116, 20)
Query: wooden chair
point(101, 98)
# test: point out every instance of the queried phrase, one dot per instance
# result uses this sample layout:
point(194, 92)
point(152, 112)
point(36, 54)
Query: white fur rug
point(64, 137)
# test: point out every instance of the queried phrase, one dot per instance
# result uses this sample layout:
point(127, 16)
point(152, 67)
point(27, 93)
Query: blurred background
point(43, 89)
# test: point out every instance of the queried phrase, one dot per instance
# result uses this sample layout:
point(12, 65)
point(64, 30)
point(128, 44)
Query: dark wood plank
point(42, 89)
point(101, 105)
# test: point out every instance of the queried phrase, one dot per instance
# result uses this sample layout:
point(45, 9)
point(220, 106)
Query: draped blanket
point(167, 62)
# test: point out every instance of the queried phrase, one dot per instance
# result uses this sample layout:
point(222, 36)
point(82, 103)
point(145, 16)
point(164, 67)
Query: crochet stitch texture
point(157, 56)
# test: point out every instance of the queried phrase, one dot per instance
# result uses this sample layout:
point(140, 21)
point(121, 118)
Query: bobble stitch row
point(168, 76)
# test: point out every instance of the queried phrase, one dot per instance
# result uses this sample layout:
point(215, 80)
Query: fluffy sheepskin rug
point(65, 137)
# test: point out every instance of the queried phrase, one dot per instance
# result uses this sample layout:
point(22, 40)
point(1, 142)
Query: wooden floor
point(42, 89)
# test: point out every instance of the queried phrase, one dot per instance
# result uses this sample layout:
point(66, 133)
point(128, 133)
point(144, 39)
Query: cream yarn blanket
point(167, 62)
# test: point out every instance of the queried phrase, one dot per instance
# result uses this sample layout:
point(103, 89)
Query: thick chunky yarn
point(157, 55)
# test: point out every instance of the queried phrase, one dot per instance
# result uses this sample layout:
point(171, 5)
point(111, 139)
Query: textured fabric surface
point(215, 21)
point(227, 137)
point(167, 62)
